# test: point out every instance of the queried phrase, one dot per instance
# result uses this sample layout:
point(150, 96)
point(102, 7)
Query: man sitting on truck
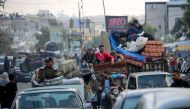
point(104, 56)
point(48, 72)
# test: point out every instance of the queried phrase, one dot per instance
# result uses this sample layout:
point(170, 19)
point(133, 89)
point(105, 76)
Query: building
point(163, 15)
point(155, 15)
point(174, 12)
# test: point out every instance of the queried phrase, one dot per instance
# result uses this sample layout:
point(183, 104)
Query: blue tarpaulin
point(135, 56)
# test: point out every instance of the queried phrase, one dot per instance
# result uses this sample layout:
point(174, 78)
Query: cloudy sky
point(70, 7)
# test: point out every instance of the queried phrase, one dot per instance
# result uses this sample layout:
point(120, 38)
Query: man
point(6, 64)
point(77, 59)
point(11, 90)
point(178, 82)
point(3, 81)
point(173, 63)
point(89, 56)
point(104, 56)
point(48, 72)
point(87, 60)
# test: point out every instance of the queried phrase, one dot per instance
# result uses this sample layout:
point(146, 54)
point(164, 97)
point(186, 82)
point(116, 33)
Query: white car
point(54, 97)
point(154, 79)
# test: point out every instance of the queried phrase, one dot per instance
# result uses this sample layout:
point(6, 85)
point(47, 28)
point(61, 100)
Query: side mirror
point(86, 105)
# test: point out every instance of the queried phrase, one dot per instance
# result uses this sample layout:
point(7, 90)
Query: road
point(22, 86)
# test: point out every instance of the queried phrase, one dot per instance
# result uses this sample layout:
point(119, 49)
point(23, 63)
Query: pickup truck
point(154, 79)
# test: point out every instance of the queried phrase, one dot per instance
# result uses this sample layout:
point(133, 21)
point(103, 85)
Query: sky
point(70, 7)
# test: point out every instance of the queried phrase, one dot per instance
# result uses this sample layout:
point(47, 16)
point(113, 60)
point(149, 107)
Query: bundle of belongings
point(135, 40)
point(68, 67)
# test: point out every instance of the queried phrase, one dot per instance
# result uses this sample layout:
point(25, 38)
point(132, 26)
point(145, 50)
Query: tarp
point(135, 56)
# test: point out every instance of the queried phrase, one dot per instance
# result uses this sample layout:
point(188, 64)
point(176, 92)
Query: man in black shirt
point(10, 91)
point(89, 57)
point(178, 82)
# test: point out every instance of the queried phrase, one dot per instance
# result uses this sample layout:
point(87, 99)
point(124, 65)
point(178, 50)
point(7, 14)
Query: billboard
point(118, 23)
point(75, 40)
point(56, 34)
point(76, 23)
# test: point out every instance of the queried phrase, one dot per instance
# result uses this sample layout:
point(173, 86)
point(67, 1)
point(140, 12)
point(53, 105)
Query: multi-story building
point(155, 15)
point(175, 12)
point(22, 29)
point(163, 15)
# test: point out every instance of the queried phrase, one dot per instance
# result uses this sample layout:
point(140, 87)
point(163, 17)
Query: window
point(154, 6)
point(58, 99)
point(132, 83)
point(130, 102)
point(153, 81)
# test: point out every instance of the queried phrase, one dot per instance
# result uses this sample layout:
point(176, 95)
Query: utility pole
point(79, 17)
point(104, 8)
point(104, 12)
point(83, 22)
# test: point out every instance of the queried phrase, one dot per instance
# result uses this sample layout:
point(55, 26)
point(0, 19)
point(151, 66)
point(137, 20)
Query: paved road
point(22, 86)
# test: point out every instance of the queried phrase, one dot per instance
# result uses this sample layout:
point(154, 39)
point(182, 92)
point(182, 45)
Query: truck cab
point(154, 79)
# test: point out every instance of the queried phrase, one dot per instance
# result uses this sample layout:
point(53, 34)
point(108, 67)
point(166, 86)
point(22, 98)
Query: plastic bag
point(137, 45)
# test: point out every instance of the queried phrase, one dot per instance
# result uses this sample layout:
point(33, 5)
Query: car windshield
point(153, 81)
point(131, 102)
point(58, 99)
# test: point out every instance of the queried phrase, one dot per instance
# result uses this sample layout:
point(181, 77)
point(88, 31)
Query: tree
point(149, 29)
point(52, 21)
point(179, 29)
point(43, 36)
point(186, 16)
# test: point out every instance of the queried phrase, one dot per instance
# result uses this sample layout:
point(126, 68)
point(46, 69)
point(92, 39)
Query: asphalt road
point(21, 86)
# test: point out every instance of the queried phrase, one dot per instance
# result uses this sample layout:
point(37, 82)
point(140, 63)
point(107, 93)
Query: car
point(165, 100)
point(21, 76)
point(49, 97)
point(154, 79)
point(128, 99)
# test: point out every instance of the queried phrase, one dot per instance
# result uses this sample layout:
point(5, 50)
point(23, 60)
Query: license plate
point(27, 77)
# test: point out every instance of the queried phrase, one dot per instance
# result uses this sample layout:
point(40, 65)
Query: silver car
point(49, 97)
point(128, 99)
point(165, 100)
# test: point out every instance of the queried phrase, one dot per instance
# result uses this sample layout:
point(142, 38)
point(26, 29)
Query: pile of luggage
point(153, 49)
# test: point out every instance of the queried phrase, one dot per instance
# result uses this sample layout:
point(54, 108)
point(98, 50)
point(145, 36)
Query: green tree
point(52, 21)
point(179, 29)
point(186, 16)
point(43, 36)
point(149, 29)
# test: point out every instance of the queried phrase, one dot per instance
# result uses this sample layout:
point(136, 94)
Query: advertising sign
point(118, 23)
point(56, 35)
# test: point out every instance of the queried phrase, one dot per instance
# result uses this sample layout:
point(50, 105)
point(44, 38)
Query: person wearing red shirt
point(173, 63)
point(104, 56)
